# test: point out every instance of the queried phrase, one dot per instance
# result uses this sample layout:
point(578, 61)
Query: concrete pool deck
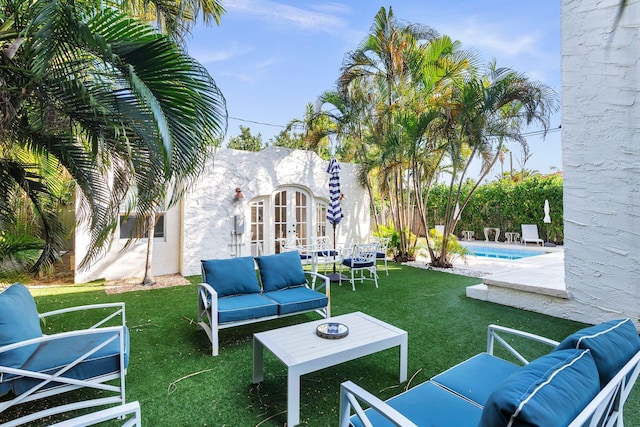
point(523, 282)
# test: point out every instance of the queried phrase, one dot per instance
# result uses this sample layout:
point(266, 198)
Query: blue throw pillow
point(548, 392)
point(232, 276)
point(612, 345)
point(19, 321)
point(281, 271)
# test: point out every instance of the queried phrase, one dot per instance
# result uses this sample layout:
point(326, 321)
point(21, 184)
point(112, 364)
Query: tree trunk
point(151, 228)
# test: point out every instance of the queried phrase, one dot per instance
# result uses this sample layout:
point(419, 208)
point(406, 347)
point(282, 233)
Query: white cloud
point(323, 19)
point(210, 56)
point(498, 39)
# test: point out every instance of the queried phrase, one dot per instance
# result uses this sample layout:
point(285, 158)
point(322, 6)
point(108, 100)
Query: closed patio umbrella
point(547, 220)
point(334, 211)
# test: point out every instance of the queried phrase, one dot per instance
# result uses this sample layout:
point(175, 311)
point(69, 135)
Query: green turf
point(178, 383)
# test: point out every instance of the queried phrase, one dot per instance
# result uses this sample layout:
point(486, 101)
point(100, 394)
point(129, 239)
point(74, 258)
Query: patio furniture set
point(583, 380)
point(529, 235)
point(356, 257)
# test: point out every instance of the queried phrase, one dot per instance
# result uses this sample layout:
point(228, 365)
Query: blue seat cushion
point(477, 377)
point(348, 261)
point(242, 307)
point(19, 321)
point(297, 299)
point(427, 405)
point(327, 253)
point(548, 392)
point(55, 354)
point(612, 345)
point(381, 255)
point(281, 271)
point(231, 276)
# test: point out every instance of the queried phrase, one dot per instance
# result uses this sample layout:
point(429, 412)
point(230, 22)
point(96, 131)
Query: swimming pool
point(501, 253)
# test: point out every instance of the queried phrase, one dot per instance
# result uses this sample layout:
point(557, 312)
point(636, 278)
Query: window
point(127, 222)
point(257, 227)
point(321, 219)
point(127, 230)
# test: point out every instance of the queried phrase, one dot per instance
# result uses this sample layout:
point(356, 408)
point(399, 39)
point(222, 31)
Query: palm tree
point(174, 17)
point(484, 113)
point(385, 62)
point(114, 102)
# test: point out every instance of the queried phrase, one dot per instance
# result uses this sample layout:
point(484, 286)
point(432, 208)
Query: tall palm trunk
point(148, 279)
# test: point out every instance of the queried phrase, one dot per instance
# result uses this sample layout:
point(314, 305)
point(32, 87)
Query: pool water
point(501, 253)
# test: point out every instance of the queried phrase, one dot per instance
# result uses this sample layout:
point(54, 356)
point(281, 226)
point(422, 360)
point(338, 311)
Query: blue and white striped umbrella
point(334, 212)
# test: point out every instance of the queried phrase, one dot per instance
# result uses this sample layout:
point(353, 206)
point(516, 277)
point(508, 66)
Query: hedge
point(506, 204)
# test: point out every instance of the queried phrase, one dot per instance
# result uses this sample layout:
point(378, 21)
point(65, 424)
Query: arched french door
point(291, 215)
point(289, 212)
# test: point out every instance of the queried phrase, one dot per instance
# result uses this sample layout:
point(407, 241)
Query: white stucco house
point(284, 193)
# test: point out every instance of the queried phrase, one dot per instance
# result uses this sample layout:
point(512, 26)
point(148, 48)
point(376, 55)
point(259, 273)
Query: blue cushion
point(347, 262)
point(612, 345)
point(243, 307)
point(428, 405)
point(231, 276)
point(381, 255)
point(19, 321)
point(281, 271)
point(327, 253)
point(548, 392)
point(55, 354)
point(477, 377)
point(297, 299)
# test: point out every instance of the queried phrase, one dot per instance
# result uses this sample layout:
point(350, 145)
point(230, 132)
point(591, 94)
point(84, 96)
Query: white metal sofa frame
point(604, 410)
point(65, 384)
point(128, 414)
point(208, 311)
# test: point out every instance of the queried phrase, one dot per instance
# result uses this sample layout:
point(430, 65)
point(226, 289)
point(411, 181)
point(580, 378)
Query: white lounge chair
point(34, 365)
point(530, 234)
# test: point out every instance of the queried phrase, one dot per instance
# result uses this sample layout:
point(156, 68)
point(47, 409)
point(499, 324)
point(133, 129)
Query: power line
point(541, 132)
point(257, 123)
point(531, 133)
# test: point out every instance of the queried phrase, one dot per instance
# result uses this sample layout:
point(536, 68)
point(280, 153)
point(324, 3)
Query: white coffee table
point(302, 351)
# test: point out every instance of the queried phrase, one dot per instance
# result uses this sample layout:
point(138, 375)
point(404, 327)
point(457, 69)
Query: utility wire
point(257, 123)
point(532, 133)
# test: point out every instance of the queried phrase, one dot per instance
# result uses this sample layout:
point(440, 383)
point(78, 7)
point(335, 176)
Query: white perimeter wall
point(200, 227)
point(601, 159)
point(209, 208)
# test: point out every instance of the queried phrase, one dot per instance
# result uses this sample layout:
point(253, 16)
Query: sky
point(271, 58)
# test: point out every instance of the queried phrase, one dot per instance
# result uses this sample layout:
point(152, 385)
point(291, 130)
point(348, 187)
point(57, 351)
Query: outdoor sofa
point(584, 381)
point(231, 294)
point(34, 365)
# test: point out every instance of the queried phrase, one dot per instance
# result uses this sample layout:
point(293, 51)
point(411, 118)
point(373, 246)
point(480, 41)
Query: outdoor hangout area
point(405, 336)
point(400, 252)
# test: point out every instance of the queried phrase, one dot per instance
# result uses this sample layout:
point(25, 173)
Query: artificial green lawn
point(445, 327)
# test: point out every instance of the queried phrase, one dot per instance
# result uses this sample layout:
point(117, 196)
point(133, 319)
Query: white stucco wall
point(200, 227)
point(601, 160)
point(209, 207)
point(118, 264)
